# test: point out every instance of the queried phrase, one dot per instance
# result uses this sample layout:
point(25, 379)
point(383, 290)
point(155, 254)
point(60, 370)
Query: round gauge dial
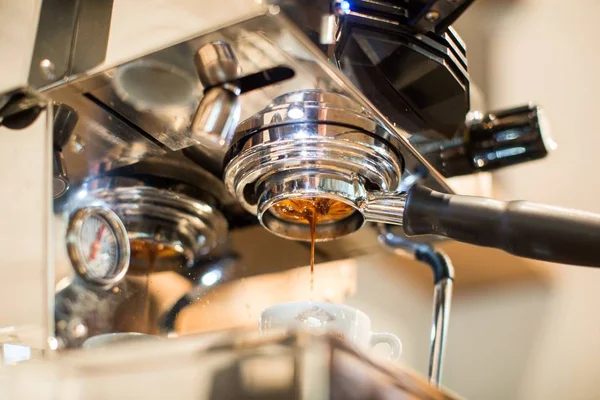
point(98, 246)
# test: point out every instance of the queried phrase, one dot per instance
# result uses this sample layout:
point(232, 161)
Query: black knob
point(63, 124)
point(491, 141)
point(506, 137)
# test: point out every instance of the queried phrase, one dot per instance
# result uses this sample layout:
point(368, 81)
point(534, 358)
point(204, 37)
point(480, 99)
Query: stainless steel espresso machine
point(160, 139)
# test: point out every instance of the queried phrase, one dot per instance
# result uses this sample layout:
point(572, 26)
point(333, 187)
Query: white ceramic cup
point(354, 325)
point(108, 339)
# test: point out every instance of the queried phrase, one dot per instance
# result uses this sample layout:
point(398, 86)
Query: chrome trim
point(387, 208)
point(311, 105)
point(216, 64)
point(74, 245)
point(213, 125)
point(159, 216)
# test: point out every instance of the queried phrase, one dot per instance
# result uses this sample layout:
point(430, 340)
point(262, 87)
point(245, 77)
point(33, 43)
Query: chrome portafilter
point(315, 145)
point(171, 231)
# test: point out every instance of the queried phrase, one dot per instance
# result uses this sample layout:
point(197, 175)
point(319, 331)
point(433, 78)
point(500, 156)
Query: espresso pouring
point(312, 211)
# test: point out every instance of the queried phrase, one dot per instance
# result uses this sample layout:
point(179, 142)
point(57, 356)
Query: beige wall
point(548, 51)
point(524, 342)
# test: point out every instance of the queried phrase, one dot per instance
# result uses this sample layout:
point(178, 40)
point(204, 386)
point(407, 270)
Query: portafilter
point(313, 144)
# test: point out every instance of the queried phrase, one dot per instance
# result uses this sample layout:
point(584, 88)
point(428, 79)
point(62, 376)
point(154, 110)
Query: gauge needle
point(95, 247)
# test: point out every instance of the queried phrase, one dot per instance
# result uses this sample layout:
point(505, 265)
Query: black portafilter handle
point(521, 228)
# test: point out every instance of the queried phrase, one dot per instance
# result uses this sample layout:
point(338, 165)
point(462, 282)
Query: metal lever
point(443, 278)
point(219, 111)
point(218, 114)
point(521, 228)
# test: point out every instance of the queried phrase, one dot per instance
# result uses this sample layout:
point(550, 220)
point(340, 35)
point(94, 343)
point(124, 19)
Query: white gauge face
point(99, 247)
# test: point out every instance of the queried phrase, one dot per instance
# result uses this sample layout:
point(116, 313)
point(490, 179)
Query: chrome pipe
point(442, 297)
point(443, 273)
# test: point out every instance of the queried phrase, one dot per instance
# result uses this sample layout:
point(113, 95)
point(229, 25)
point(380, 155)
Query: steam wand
point(443, 278)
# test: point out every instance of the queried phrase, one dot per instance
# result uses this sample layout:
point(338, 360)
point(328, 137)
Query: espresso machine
point(166, 144)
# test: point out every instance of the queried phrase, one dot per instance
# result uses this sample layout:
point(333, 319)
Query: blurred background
point(518, 330)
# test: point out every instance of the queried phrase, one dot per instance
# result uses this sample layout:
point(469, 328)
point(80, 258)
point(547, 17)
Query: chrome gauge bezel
point(75, 251)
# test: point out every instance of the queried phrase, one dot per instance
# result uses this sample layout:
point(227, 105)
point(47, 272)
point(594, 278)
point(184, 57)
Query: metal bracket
point(72, 37)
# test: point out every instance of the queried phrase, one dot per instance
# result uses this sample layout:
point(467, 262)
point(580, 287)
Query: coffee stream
point(314, 211)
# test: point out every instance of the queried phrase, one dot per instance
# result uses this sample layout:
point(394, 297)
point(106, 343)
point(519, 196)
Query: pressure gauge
point(98, 246)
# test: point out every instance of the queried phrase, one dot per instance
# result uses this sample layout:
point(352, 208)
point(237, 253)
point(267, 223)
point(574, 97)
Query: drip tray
point(226, 365)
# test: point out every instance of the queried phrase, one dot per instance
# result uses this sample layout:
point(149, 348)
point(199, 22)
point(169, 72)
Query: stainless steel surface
point(103, 279)
point(165, 236)
point(311, 105)
point(306, 128)
point(157, 96)
point(218, 113)
point(216, 64)
point(72, 38)
point(258, 43)
point(127, 39)
point(442, 298)
point(47, 70)
point(100, 141)
point(153, 85)
point(190, 227)
point(178, 169)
